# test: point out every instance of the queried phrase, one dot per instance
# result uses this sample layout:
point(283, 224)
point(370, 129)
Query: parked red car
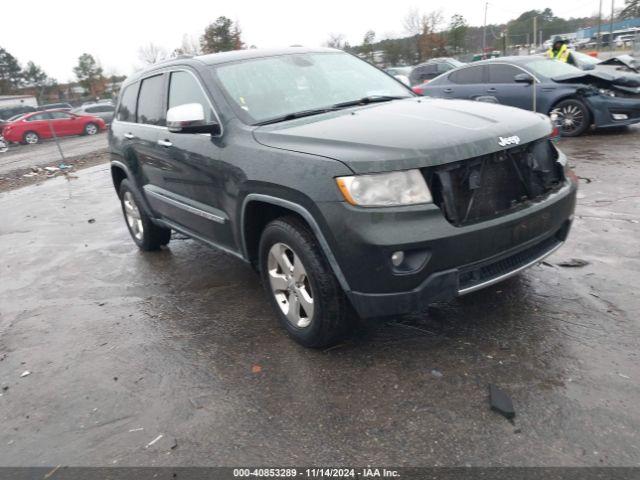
point(32, 127)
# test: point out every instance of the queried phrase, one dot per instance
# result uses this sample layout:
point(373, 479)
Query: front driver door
point(196, 179)
point(502, 85)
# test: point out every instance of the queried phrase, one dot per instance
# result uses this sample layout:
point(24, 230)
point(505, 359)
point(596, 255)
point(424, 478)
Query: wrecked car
point(347, 197)
point(578, 99)
point(618, 66)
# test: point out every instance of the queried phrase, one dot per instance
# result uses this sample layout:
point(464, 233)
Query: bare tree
point(189, 46)
point(336, 40)
point(151, 53)
point(413, 22)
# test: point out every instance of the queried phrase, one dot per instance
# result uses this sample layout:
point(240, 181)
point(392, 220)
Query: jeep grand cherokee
point(341, 187)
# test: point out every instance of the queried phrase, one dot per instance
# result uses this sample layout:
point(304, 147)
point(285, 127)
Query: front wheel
point(30, 138)
point(90, 129)
point(146, 234)
point(301, 287)
point(573, 117)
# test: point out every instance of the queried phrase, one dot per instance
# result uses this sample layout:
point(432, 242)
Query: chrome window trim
point(163, 71)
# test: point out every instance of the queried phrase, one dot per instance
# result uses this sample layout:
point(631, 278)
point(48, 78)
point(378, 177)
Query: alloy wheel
point(31, 138)
point(570, 118)
point(132, 214)
point(91, 129)
point(290, 285)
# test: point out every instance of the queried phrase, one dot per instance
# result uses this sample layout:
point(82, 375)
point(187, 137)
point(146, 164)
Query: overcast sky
point(54, 33)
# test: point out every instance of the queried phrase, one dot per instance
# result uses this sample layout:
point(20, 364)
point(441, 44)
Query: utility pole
point(484, 30)
point(535, 31)
point(599, 38)
point(611, 27)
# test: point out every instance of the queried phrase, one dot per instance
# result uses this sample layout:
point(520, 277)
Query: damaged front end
point(489, 186)
point(613, 101)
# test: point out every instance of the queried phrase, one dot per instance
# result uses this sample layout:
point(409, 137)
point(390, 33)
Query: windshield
point(273, 87)
point(16, 117)
point(552, 68)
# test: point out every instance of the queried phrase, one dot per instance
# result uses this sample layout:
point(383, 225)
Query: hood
point(626, 61)
point(600, 75)
point(403, 134)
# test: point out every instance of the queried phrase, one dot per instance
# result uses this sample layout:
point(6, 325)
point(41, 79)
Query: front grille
point(485, 187)
point(477, 275)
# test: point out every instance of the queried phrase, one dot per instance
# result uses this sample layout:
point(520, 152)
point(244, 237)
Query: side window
point(151, 100)
point(467, 76)
point(92, 109)
point(127, 108)
point(444, 67)
point(183, 89)
point(60, 116)
point(39, 116)
point(502, 73)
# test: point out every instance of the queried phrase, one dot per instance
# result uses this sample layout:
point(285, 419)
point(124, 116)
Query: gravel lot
point(123, 347)
point(46, 153)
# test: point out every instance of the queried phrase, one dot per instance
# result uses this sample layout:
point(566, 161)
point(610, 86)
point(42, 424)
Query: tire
point(574, 111)
point(91, 129)
point(30, 138)
point(146, 234)
point(321, 313)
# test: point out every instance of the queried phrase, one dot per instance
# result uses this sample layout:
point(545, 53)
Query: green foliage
point(88, 72)
point(222, 35)
point(458, 32)
point(10, 73)
point(631, 9)
point(367, 44)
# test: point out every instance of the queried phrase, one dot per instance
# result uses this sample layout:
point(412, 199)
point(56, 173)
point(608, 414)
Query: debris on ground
point(154, 440)
point(501, 402)
point(624, 376)
point(51, 169)
point(91, 220)
point(25, 373)
point(174, 445)
point(573, 263)
point(136, 430)
point(5, 388)
point(256, 369)
point(437, 373)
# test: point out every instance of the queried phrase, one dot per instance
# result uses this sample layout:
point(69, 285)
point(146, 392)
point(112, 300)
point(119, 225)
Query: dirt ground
point(180, 346)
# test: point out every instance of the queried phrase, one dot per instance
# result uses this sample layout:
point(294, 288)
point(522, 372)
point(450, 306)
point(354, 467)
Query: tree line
point(429, 34)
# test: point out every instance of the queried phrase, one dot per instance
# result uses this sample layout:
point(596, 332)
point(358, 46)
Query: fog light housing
point(397, 258)
point(620, 116)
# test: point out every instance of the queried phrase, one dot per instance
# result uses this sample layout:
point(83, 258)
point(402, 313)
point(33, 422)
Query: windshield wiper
point(369, 99)
point(294, 115)
point(337, 106)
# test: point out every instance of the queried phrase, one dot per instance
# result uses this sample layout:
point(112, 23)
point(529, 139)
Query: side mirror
point(523, 78)
point(189, 118)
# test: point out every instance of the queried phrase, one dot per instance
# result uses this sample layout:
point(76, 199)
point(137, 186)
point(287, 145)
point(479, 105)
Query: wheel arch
point(260, 209)
point(572, 96)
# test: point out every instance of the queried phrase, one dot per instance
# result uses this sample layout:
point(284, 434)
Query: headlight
point(385, 189)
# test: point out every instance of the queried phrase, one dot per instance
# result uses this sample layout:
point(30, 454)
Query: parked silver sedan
point(103, 110)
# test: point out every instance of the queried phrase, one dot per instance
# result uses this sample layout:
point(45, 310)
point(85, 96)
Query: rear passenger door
point(195, 177)
point(466, 83)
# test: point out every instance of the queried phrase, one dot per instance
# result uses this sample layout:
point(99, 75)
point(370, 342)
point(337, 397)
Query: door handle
point(491, 90)
point(448, 90)
point(129, 136)
point(164, 143)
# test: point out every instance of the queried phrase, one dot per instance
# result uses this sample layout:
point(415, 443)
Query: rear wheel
point(90, 129)
point(573, 117)
point(146, 234)
point(302, 289)
point(30, 138)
